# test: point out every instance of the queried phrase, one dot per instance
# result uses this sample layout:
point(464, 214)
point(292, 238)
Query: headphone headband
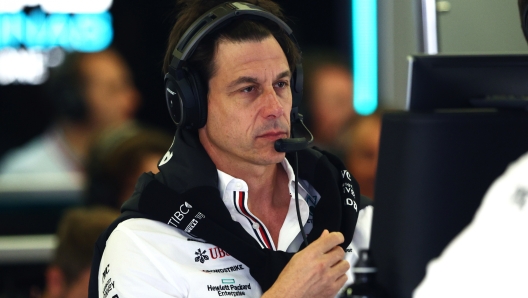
point(216, 18)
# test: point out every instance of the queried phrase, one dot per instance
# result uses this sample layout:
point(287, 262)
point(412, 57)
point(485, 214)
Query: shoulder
point(138, 230)
point(28, 155)
point(141, 258)
point(518, 169)
point(509, 191)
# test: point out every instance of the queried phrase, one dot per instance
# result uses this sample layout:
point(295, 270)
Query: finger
point(333, 256)
point(340, 281)
point(339, 269)
point(327, 242)
point(341, 266)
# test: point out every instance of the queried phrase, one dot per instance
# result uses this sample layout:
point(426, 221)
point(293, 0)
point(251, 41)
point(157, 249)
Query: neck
point(268, 191)
point(269, 198)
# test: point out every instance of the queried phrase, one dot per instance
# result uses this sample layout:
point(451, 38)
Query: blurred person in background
point(90, 92)
point(68, 274)
point(116, 160)
point(359, 143)
point(328, 94)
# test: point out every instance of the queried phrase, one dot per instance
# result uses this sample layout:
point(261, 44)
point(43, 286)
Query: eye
point(248, 89)
point(282, 84)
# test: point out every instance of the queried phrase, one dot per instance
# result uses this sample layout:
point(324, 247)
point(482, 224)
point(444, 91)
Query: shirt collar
point(224, 178)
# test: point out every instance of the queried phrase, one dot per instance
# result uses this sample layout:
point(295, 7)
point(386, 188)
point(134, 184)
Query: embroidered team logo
point(201, 256)
point(345, 173)
point(165, 158)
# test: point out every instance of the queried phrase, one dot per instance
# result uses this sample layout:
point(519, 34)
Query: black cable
point(297, 199)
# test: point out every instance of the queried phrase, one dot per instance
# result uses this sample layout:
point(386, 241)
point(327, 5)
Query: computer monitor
point(437, 160)
point(467, 81)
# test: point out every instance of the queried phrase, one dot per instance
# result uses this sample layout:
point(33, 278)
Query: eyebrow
point(254, 80)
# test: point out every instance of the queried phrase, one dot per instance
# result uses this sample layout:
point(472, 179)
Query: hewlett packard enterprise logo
point(228, 287)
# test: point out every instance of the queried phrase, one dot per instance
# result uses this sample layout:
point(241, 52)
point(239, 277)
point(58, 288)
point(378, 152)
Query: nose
point(273, 107)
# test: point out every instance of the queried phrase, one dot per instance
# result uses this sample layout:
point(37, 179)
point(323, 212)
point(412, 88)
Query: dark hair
point(202, 60)
point(115, 156)
point(66, 86)
point(77, 233)
point(314, 60)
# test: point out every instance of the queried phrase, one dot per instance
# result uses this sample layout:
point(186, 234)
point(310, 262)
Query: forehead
point(234, 58)
point(104, 65)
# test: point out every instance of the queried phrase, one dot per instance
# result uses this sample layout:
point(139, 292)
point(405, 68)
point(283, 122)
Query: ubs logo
point(201, 256)
point(217, 253)
point(214, 253)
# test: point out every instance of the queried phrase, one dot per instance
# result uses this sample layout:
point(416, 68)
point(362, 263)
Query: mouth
point(274, 135)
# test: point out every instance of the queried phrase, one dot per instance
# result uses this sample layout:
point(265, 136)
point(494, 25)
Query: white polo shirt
point(147, 258)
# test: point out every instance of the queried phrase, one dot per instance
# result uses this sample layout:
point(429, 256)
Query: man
point(68, 274)
point(488, 258)
point(328, 94)
point(223, 203)
point(90, 92)
point(359, 141)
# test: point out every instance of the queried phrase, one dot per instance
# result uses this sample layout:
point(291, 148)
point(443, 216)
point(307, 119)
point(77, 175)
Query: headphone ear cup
point(296, 86)
point(186, 98)
point(172, 97)
point(199, 89)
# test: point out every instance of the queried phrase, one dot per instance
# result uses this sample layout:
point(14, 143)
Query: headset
point(185, 92)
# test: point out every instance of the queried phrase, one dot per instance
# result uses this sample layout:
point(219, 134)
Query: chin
point(276, 157)
point(270, 158)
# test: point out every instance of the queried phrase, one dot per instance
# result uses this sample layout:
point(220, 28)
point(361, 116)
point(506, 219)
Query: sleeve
point(488, 258)
point(132, 266)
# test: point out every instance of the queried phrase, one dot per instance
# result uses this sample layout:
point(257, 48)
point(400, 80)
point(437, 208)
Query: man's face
point(249, 103)
point(111, 97)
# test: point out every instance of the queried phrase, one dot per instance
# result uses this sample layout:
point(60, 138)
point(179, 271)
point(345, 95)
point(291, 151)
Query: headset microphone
point(295, 144)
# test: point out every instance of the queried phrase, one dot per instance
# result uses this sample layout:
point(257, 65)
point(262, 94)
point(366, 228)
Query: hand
point(319, 270)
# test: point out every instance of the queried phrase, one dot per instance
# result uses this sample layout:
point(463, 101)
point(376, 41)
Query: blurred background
point(355, 60)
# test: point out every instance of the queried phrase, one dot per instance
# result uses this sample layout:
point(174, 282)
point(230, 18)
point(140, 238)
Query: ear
point(55, 283)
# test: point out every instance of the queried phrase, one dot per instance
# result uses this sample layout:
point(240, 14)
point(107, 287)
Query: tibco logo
point(178, 216)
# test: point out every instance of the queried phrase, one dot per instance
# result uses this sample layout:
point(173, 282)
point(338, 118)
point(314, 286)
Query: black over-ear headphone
point(184, 90)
